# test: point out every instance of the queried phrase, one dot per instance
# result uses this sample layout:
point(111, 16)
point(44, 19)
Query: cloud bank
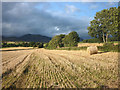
point(37, 18)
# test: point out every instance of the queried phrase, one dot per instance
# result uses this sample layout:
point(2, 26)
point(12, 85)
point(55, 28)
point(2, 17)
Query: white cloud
point(111, 3)
point(57, 29)
point(87, 0)
point(91, 18)
point(71, 9)
point(94, 6)
point(7, 25)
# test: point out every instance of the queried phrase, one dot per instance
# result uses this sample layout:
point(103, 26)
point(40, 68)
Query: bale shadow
point(102, 52)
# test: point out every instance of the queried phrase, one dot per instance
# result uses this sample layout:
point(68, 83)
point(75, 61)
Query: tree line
point(23, 44)
point(63, 40)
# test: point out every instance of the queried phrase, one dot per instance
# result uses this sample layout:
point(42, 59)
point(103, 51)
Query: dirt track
point(38, 68)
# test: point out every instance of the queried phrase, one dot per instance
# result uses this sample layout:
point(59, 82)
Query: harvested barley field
point(41, 68)
point(92, 44)
point(89, 44)
point(15, 48)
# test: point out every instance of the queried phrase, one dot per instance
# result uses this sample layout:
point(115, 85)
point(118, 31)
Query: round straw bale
point(92, 50)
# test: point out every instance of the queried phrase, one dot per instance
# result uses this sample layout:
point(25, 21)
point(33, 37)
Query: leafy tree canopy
point(105, 24)
point(62, 40)
point(56, 41)
point(71, 39)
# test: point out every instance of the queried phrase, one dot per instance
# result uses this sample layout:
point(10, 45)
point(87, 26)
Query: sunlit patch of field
point(41, 68)
point(15, 48)
point(93, 44)
point(89, 44)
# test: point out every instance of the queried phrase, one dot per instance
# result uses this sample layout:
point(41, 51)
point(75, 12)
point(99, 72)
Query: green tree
point(40, 45)
point(31, 44)
point(4, 44)
point(45, 45)
point(56, 41)
point(105, 24)
point(71, 39)
point(114, 27)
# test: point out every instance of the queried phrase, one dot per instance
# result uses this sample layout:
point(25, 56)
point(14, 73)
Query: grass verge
point(114, 48)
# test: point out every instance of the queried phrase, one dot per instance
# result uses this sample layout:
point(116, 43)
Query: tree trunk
point(103, 37)
point(106, 38)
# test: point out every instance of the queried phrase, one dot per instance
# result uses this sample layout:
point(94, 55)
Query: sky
point(49, 18)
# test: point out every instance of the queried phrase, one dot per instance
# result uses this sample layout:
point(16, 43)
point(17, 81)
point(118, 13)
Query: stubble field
point(41, 68)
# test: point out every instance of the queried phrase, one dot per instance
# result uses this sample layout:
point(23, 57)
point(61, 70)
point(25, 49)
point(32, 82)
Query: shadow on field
point(16, 49)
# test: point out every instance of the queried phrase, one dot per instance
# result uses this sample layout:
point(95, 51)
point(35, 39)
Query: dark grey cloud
point(25, 18)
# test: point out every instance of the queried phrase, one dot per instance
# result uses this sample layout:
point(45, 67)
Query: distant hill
point(28, 38)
